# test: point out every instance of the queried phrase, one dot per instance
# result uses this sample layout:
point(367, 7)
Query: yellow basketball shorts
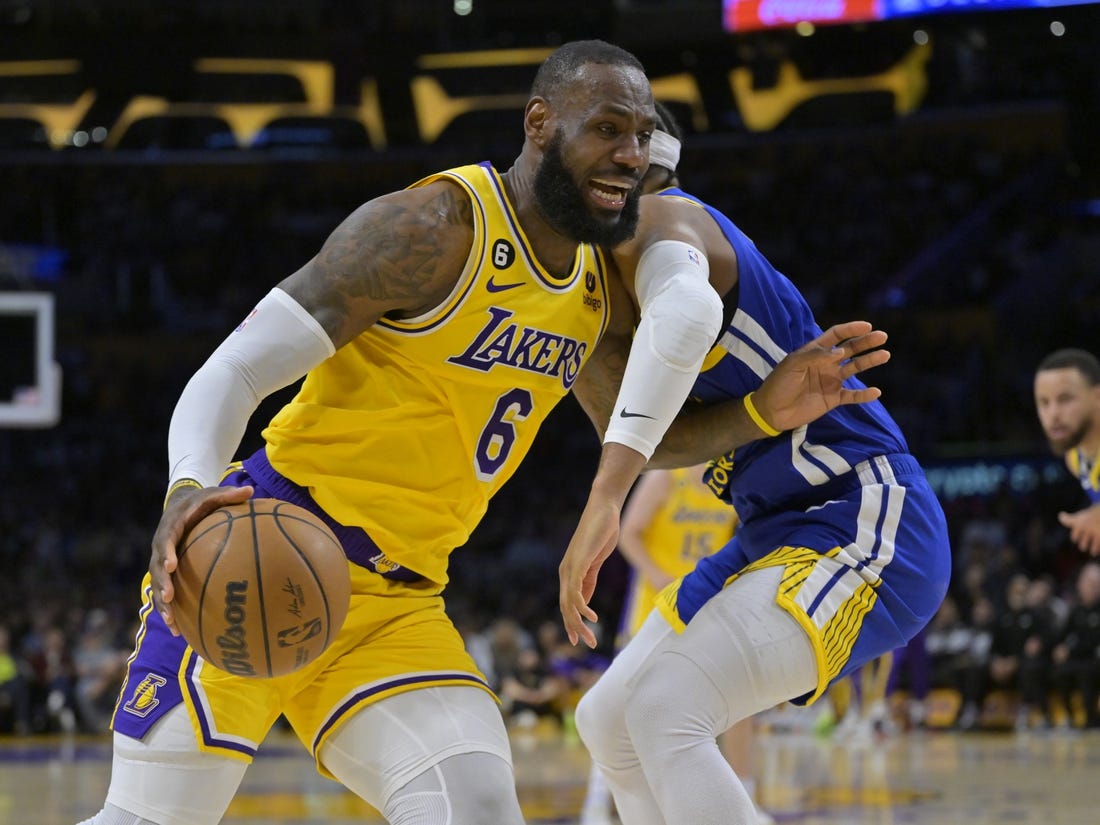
point(396, 638)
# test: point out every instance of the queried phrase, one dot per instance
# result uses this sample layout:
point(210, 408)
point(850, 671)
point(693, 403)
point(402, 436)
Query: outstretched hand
point(593, 541)
point(809, 382)
point(1084, 528)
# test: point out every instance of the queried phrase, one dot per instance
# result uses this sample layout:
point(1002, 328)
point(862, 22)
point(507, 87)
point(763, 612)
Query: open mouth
point(609, 194)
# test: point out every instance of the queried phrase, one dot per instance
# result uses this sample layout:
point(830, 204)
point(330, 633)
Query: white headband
point(664, 150)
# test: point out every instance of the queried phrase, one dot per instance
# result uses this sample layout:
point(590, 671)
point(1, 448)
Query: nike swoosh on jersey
point(624, 414)
point(493, 286)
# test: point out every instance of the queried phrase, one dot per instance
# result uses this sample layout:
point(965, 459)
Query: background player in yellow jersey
point(436, 328)
point(671, 521)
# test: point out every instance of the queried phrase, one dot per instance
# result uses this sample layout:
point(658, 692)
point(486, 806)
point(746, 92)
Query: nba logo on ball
point(262, 588)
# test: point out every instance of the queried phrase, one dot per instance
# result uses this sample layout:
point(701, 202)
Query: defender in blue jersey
point(1067, 400)
point(842, 554)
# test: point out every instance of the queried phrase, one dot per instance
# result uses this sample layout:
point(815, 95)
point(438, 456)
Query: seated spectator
point(100, 666)
point(507, 639)
point(1076, 654)
point(576, 664)
point(955, 648)
point(531, 691)
point(1017, 659)
point(14, 696)
point(53, 682)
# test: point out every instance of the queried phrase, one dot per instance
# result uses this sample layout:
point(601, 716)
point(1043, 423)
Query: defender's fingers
point(839, 333)
point(860, 363)
point(862, 343)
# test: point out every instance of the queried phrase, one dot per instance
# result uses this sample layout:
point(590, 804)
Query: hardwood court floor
point(909, 779)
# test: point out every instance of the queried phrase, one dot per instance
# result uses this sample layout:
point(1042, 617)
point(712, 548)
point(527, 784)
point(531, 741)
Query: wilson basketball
point(262, 588)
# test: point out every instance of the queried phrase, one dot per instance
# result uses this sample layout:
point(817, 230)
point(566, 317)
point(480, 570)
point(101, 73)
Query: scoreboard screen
point(751, 15)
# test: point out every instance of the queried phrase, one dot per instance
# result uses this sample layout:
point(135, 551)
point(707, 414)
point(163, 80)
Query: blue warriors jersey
point(839, 504)
point(1087, 470)
point(408, 430)
point(771, 320)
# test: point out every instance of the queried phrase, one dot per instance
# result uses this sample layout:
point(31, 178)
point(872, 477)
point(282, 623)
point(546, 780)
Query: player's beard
point(1061, 446)
point(561, 203)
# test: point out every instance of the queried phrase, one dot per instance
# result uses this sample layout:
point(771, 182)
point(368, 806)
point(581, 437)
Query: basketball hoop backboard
point(30, 379)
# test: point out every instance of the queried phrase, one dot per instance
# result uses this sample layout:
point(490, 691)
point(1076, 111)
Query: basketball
point(262, 588)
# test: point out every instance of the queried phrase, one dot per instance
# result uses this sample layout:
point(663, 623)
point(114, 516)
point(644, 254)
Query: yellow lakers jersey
point(409, 429)
point(690, 524)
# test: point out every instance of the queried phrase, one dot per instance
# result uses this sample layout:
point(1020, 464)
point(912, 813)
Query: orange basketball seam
point(206, 582)
point(260, 583)
point(285, 549)
point(309, 565)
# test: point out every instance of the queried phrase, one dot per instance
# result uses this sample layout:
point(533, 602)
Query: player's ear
point(536, 119)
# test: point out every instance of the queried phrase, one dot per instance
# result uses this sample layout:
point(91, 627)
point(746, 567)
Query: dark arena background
point(163, 164)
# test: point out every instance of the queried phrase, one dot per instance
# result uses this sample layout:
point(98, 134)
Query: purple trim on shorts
point(151, 687)
point(269, 483)
point(208, 736)
point(423, 679)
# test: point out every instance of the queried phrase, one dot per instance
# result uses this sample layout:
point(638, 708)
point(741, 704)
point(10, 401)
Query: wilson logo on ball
point(262, 588)
point(233, 642)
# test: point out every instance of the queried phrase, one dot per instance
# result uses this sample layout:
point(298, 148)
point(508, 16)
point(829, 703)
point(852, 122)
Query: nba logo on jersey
point(247, 318)
point(693, 256)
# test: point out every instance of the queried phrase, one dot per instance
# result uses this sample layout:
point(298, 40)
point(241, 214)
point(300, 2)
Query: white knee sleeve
point(601, 724)
point(110, 815)
point(470, 789)
point(385, 746)
point(652, 724)
point(600, 716)
point(155, 779)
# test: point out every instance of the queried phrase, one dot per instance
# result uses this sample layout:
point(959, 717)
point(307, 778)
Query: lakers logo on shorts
point(144, 699)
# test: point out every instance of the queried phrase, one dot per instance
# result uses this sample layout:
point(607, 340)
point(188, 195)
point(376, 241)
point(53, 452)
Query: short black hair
point(1083, 361)
point(666, 121)
point(560, 69)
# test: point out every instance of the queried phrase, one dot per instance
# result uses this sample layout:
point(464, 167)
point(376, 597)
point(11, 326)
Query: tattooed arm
point(399, 255)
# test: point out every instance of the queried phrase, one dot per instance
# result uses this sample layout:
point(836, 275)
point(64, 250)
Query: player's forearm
point(618, 469)
point(704, 432)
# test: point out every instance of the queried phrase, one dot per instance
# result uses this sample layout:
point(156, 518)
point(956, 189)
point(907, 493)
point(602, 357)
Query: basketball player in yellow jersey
point(671, 521)
point(436, 328)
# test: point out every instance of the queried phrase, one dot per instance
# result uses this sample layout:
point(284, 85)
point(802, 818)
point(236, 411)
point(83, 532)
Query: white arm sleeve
point(680, 320)
point(274, 346)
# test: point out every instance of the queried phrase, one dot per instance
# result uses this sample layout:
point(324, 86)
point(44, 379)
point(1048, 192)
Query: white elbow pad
point(681, 318)
point(273, 347)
